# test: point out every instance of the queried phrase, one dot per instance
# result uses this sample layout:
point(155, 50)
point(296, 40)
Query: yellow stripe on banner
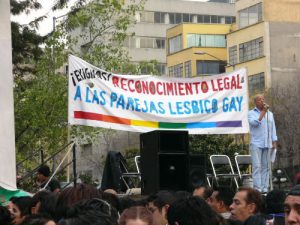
point(142, 123)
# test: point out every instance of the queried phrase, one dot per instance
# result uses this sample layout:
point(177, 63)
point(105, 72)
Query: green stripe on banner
point(172, 125)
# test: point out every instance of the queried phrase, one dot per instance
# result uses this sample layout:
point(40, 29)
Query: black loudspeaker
point(164, 161)
point(197, 171)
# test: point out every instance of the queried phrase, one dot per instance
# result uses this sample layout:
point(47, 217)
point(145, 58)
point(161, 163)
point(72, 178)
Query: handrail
point(31, 172)
point(57, 168)
point(59, 151)
point(30, 156)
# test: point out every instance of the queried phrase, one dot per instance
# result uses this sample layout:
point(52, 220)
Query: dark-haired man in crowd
point(43, 176)
point(246, 202)
point(292, 206)
point(203, 191)
point(158, 204)
point(220, 200)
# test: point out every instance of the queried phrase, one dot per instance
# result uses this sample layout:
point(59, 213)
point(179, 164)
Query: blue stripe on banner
point(201, 125)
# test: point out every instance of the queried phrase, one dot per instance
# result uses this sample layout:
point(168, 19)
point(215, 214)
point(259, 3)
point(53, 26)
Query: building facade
point(197, 49)
point(149, 41)
point(266, 41)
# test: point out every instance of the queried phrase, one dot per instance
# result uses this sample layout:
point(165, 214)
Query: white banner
point(201, 105)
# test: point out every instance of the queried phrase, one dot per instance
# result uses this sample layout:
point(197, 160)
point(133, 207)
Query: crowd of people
point(86, 205)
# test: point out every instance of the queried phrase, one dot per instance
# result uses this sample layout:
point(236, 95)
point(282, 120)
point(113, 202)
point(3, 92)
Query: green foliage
point(41, 104)
point(86, 178)
point(17, 7)
point(215, 144)
point(101, 28)
point(41, 90)
point(129, 156)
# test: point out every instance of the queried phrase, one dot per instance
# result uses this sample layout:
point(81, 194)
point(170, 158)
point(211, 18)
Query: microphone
point(266, 106)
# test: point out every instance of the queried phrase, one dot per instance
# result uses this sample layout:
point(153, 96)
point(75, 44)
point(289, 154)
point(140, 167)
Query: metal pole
point(74, 165)
point(54, 20)
point(271, 174)
point(42, 156)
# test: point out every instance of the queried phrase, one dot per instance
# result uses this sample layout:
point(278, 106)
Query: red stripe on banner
point(100, 117)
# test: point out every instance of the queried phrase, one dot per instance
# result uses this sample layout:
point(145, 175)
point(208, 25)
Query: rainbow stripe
point(163, 125)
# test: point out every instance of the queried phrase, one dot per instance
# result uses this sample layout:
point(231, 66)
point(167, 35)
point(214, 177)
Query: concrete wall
point(285, 52)
point(285, 93)
point(91, 157)
point(282, 10)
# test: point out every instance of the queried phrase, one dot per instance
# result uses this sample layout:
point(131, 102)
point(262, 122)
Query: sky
point(46, 25)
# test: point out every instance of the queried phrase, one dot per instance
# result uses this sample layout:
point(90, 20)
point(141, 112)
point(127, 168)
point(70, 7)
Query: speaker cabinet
point(164, 161)
point(197, 171)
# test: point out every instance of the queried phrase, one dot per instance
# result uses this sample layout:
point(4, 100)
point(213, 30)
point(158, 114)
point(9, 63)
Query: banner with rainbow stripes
point(215, 104)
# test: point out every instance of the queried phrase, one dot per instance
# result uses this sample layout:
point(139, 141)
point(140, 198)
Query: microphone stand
point(269, 155)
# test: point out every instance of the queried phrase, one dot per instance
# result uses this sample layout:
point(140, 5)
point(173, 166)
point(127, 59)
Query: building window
point(210, 67)
point(250, 15)
point(186, 18)
point(229, 19)
point(159, 43)
point(160, 17)
point(148, 69)
point(188, 69)
point(147, 17)
point(206, 40)
point(175, 44)
point(256, 83)
point(193, 18)
point(161, 68)
point(177, 18)
point(233, 55)
point(251, 50)
point(144, 42)
point(176, 71)
point(206, 18)
point(171, 72)
point(221, 19)
point(214, 19)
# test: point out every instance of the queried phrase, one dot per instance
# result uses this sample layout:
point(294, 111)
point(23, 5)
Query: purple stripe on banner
point(237, 123)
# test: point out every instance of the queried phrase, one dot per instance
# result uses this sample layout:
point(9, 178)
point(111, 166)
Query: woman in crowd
point(90, 212)
point(191, 211)
point(72, 195)
point(137, 215)
point(38, 219)
point(19, 207)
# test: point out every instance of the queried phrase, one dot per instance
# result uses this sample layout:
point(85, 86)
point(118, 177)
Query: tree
point(100, 29)
point(41, 96)
point(285, 106)
point(41, 104)
point(25, 40)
